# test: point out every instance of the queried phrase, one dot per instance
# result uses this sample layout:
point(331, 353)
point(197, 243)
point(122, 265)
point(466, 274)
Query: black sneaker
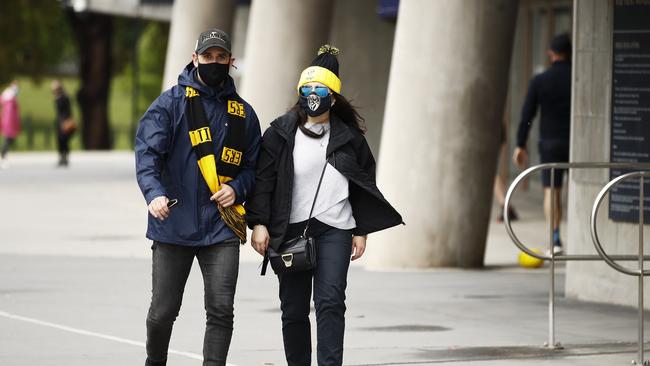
point(511, 212)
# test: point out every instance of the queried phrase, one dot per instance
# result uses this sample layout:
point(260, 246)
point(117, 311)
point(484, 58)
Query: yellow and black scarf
point(232, 153)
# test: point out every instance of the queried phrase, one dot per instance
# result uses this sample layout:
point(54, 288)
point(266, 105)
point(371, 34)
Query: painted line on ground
point(96, 335)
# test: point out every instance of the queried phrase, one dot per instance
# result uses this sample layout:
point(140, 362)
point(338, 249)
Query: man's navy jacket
point(167, 166)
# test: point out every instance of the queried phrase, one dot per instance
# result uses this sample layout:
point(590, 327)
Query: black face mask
point(315, 105)
point(213, 74)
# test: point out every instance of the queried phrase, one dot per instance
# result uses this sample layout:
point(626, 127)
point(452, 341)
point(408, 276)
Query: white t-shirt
point(332, 205)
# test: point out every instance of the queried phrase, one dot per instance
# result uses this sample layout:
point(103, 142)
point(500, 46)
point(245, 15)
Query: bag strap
point(304, 233)
point(265, 263)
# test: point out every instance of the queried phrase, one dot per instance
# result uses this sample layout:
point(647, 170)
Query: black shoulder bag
point(297, 254)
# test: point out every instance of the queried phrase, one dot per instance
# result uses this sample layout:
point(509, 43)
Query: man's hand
point(158, 208)
point(520, 157)
point(358, 246)
point(260, 239)
point(225, 197)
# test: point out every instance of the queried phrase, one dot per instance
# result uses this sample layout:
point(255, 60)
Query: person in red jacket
point(9, 120)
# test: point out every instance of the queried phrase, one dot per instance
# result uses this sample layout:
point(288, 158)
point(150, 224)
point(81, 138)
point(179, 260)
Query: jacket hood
point(188, 77)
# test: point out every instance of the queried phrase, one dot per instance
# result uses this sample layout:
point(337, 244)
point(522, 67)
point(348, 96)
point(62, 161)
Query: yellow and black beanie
point(324, 69)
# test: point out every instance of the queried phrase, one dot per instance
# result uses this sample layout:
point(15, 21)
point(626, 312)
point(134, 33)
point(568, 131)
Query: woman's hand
point(358, 246)
point(260, 239)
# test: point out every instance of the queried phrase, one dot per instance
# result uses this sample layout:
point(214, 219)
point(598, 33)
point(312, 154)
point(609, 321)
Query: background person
point(500, 187)
point(9, 120)
point(551, 91)
point(63, 112)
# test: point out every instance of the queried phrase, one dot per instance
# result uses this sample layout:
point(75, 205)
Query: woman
point(9, 120)
point(63, 112)
point(322, 125)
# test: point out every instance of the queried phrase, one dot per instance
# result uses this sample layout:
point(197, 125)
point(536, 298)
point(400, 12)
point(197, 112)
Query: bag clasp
point(287, 259)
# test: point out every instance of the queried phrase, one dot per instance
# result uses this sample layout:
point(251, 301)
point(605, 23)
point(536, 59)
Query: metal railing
point(552, 257)
point(640, 272)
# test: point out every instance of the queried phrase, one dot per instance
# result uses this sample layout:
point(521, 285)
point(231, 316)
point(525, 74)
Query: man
point(190, 128)
point(63, 112)
point(551, 90)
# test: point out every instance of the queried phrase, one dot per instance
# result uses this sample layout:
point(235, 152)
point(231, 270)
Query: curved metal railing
point(552, 257)
point(611, 261)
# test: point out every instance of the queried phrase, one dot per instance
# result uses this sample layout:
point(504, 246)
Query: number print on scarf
point(231, 156)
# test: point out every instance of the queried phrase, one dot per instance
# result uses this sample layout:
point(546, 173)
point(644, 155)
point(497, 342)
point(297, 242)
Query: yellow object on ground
point(528, 261)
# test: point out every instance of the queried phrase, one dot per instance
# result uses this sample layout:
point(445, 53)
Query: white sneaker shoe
point(3, 164)
point(557, 250)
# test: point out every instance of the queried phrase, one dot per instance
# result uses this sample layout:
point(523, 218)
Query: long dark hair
point(342, 108)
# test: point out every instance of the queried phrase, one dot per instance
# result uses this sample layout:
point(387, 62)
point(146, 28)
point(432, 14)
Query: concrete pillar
point(590, 141)
point(366, 44)
point(239, 35)
point(189, 19)
point(283, 37)
point(444, 107)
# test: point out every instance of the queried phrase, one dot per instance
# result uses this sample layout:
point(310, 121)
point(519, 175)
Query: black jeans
point(8, 141)
point(333, 250)
point(171, 266)
point(64, 148)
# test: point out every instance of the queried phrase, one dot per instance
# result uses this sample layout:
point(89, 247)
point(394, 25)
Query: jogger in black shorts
point(551, 91)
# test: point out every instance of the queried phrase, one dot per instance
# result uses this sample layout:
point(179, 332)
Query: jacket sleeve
point(244, 183)
point(258, 206)
point(528, 113)
point(367, 162)
point(151, 147)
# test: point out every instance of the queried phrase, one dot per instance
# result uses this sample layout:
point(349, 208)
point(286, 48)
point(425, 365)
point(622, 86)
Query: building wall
point(590, 141)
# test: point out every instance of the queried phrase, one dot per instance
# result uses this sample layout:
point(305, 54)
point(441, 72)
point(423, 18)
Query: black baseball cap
point(212, 38)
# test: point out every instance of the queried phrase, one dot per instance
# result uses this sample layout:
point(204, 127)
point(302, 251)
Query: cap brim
point(205, 47)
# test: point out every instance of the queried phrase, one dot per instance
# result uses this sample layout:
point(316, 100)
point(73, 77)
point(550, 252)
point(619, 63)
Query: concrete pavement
point(75, 286)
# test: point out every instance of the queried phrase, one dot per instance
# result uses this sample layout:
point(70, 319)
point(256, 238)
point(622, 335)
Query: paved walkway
point(75, 286)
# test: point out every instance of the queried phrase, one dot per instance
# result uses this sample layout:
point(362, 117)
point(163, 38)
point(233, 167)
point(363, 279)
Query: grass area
point(38, 114)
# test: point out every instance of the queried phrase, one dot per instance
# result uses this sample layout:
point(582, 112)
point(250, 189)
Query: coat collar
point(340, 133)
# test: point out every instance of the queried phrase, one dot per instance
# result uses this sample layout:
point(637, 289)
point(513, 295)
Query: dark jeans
point(171, 266)
point(8, 141)
point(64, 148)
point(333, 250)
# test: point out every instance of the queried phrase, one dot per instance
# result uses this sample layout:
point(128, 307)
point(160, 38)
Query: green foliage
point(126, 32)
point(34, 37)
point(151, 53)
point(37, 103)
point(152, 50)
point(37, 114)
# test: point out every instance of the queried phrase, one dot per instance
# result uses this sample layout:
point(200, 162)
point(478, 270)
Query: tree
point(94, 34)
point(152, 49)
point(34, 38)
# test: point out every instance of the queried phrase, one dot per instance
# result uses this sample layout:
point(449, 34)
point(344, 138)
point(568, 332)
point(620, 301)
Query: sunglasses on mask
point(321, 91)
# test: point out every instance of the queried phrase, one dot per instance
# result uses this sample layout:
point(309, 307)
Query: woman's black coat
point(347, 151)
